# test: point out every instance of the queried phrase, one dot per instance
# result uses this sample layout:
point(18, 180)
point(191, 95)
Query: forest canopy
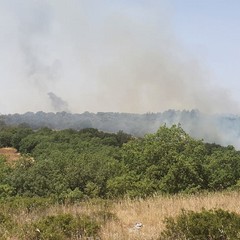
point(78, 164)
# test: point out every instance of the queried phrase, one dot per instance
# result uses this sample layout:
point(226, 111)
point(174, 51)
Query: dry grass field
point(150, 212)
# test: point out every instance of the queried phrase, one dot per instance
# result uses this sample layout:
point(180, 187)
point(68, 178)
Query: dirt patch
point(11, 154)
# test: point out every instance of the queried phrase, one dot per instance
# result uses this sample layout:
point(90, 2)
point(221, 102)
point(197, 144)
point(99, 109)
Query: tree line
point(222, 129)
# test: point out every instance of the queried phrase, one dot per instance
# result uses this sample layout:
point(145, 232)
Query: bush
point(6, 190)
point(6, 225)
point(70, 196)
point(25, 204)
point(62, 226)
point(205, 225)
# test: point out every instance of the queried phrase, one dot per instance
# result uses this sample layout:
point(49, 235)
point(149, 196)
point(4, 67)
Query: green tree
point(170, 158)
point(224, 168)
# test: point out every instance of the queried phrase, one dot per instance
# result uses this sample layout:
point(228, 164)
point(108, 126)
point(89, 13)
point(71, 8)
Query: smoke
point(100, 56)
point(57, 103)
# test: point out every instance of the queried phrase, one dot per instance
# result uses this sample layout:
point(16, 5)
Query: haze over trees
point(221, 129)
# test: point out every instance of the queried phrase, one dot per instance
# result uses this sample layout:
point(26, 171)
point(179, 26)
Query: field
point(152, 212)
point(121, 216)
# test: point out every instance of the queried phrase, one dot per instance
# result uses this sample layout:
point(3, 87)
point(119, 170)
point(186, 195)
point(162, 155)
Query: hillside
point(168, 161)
point(85, 183)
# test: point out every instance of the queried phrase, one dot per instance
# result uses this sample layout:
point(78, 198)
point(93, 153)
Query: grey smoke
point(58, 104)
point(103, 56)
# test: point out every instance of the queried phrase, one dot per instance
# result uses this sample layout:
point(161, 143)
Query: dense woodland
point(81, 164)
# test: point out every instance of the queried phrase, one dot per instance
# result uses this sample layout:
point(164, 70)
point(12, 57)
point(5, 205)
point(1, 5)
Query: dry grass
point(11, 154)
point(150, 212)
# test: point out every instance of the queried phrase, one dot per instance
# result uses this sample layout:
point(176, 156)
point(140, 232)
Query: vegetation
point(204, 225)
point(225, 129)
point(71, 167)
point(62, 226)
point(29, 218)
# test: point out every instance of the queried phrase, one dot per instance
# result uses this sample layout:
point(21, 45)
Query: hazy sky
point(121, 56)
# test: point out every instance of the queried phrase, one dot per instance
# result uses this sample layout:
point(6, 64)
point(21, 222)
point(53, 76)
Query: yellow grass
point(11, 154)
point(150, 212)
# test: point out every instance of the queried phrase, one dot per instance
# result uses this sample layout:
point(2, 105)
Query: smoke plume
point(57, 103)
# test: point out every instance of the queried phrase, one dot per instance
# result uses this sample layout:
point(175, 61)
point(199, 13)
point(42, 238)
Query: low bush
point(26, 204)
point(62, 226)
point(6, 225)
point(205, 225)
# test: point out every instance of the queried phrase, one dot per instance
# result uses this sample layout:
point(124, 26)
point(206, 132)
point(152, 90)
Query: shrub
point(27, 204)
point(6, 190)
point(62, 226)
point(6, 225)
point(70, 196)
point(205, 225)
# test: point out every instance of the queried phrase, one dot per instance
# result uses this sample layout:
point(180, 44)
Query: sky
point(119, 56)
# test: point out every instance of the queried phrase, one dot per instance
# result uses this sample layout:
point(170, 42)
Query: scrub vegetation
point(161, 217)
point(79, 184)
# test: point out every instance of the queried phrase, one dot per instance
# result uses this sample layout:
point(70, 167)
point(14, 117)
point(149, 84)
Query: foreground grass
point(116, 219)
point(152, 212)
